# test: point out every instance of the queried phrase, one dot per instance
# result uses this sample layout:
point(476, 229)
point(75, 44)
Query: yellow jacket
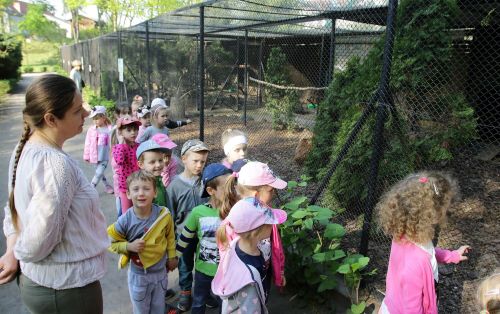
point(159, 238)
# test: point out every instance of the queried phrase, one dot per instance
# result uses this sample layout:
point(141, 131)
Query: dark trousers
point(43, 300)
point(201, 293)
point(186, 266)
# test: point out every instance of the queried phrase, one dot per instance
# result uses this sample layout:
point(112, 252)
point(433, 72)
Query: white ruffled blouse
point(62, 243)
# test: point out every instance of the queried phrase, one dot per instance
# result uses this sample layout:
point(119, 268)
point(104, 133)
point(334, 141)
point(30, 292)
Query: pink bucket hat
point(245, 216)
point(164, 141)
point(255, 173)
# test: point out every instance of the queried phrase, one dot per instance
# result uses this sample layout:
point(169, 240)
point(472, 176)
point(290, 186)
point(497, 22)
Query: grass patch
point(41, 57)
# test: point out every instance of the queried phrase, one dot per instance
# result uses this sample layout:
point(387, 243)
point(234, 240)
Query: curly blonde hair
point(417, 204)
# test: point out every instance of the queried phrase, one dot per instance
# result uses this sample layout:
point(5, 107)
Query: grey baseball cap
point(194, 146)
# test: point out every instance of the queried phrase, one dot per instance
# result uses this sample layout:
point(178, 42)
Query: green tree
point(35, 24)
point(73, 7)
point(3, 5)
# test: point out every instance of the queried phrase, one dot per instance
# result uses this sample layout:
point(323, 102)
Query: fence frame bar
point(201, 78)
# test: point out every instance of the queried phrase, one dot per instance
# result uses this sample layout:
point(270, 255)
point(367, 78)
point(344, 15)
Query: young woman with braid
point(53, 224)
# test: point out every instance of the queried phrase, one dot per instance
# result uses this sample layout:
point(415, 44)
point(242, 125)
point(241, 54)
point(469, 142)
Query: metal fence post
point(245, 79)
point(384, 101)
point(120, 55)
point(261, 74)
point(238, 73)
point(148, 65)
point(201, 69)
point(331, 63)
point(321, 71)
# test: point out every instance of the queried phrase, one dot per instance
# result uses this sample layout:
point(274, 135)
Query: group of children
point(177, 212)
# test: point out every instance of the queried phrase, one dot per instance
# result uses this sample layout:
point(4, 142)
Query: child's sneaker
point(109, 189)
point(184, 303)
point(169, 309)
point(211, 302)
point(169, 294)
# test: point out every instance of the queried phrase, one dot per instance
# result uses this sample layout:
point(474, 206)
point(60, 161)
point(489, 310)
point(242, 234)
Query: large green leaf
point(344, 269)
point(295, 203)
point(334, 231)
point(308, 223)
point(299, 214)
point(358, 308)
point(328, 284)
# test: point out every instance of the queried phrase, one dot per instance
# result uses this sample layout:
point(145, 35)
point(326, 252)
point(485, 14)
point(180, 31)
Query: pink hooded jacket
point(91, 141)
point(277, 252)
point(410, 282)
point(238, 284)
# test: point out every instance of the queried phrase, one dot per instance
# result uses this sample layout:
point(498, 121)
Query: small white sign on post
point(120, 69)
point(90, 68)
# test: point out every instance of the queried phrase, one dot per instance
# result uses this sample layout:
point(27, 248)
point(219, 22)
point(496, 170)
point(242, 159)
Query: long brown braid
point(50, 93)
point(12, 205)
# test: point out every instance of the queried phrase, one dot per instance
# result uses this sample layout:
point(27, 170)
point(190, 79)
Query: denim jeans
point(99, 173)
point(201, 292)
point(186, 265)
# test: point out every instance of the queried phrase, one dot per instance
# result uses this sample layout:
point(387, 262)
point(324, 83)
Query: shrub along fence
point(386, 87)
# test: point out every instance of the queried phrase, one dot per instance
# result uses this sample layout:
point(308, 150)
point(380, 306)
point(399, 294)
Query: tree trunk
point(75, 25)
point(177, 108)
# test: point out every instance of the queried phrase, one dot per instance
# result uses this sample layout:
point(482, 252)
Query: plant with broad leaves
point(312, 244)
point(352, 268)
point(357, 308)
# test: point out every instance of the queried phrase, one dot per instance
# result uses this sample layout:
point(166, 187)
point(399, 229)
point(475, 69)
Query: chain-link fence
point(386, 87)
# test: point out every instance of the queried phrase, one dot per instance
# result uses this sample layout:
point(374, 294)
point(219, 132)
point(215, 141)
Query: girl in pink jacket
point(410, 212)
point(97, 142)
point(240, 277)
point(255, 183)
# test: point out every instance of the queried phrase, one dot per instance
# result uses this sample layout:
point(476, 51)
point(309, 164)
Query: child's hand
point(188, 121)
point(284, 278)
point(172, 263)
point(136, 246)
point(464, 249)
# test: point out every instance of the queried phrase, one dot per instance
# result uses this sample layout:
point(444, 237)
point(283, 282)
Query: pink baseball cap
point(126, 121)
point(164, 141)
point(256, 173)
point(245, 216)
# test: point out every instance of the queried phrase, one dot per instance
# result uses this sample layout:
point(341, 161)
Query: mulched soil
point(473, 220)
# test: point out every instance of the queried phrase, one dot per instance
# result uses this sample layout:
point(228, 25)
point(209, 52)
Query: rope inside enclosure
point(286, 87)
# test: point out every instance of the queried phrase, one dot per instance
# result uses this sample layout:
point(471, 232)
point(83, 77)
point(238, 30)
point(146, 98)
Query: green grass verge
point(6, 86)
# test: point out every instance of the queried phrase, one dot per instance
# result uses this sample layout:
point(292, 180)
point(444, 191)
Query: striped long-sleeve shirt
point(202, 223)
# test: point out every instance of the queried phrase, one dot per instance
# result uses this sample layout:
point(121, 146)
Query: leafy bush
point(10, 57)
point(93, 99)
point(435, 119)
point(280, 103)
point(28, 69)
point(312, 247)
